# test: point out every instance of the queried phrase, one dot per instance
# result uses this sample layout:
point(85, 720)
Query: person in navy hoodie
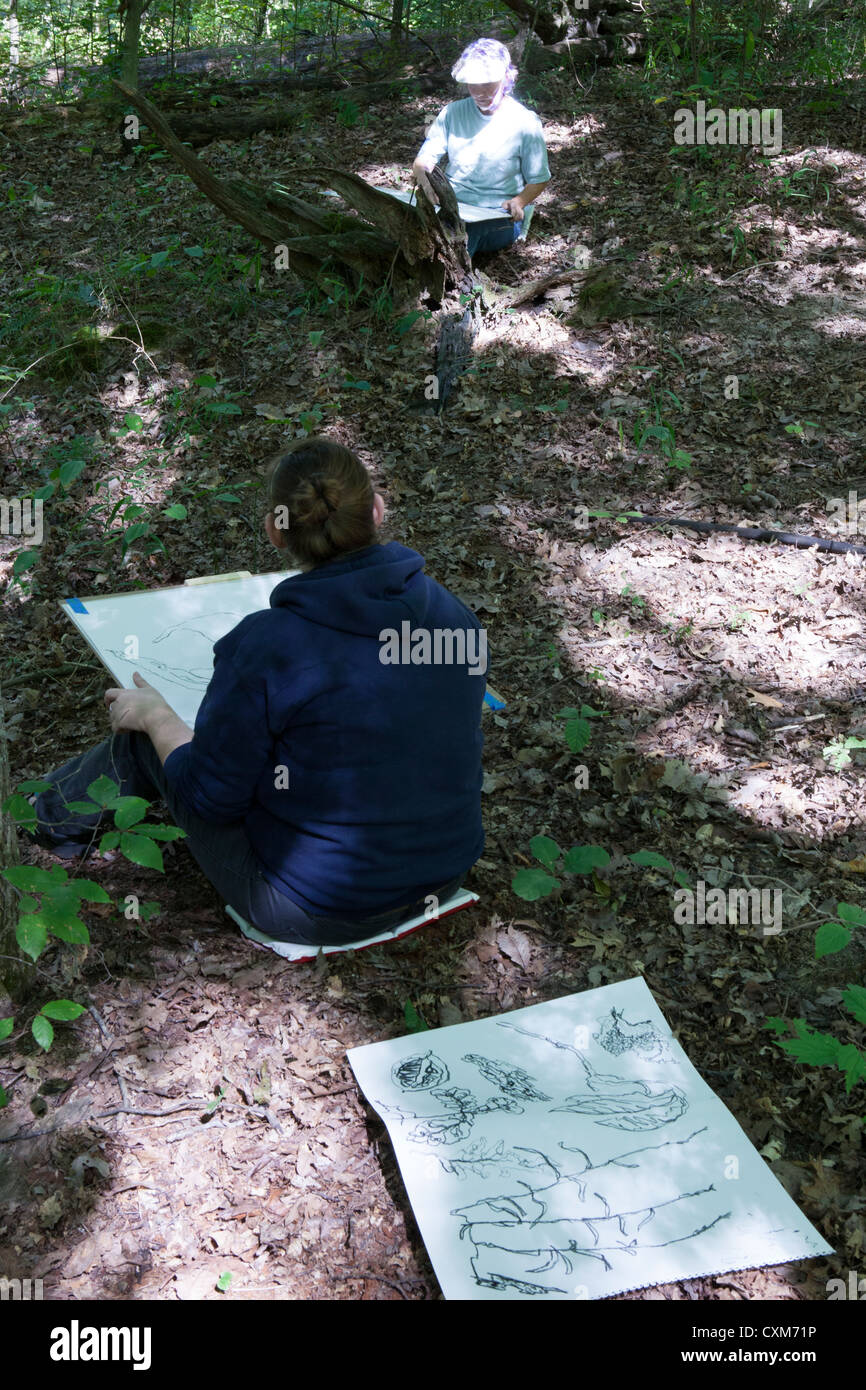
point(333, 778)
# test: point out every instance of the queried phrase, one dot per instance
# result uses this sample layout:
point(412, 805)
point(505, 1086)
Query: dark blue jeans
point(491, 236)
point(222, 852)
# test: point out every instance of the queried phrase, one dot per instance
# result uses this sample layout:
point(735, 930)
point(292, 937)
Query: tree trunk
point(131, 43)
point(554, 23)
point(407, 248)
point(14, 41)
point(261, 20)
point(396, 22)
point(15, 976)
point(201, 130)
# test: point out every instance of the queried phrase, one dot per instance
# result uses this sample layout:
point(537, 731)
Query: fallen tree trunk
point(629, 48)
point(222, 125)
point(348, 49)
point(406, 248)
point(429, 80)
point(576, 28)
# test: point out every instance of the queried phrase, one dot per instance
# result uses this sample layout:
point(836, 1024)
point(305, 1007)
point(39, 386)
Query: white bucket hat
point(485, 60)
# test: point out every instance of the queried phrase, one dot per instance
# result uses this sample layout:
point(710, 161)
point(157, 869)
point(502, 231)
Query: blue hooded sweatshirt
point(357, 778)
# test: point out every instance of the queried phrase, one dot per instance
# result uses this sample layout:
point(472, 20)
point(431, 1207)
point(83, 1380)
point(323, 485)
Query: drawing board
point(469, 212)
point(168, 634)
point(570, 1150)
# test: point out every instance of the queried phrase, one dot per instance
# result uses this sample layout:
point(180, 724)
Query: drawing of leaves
point(420, 1072)
point(442, 1129)
point(514, 1081)
point(629, 1112)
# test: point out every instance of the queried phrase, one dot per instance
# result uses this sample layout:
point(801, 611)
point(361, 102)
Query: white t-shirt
point(490, 158)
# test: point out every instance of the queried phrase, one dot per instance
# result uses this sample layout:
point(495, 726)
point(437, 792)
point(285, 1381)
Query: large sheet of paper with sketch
point(469, 212)
point(570, 1150)
point(167, 635)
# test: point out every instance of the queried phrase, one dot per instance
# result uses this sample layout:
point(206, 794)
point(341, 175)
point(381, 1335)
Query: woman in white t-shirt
point(495, 146)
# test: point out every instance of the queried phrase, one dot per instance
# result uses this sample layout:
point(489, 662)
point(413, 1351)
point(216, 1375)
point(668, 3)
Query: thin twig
point(367, 1274)
point(102, 1028)
point(42, 672)
point(157, 1114)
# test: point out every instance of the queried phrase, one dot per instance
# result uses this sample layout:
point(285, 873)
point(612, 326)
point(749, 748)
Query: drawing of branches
point(511, 1201)
point(558, 1242)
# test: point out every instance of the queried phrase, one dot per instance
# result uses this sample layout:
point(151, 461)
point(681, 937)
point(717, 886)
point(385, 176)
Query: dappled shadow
point(488, 491)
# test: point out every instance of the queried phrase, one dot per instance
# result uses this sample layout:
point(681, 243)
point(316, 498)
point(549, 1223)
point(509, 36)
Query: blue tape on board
point(75, 604)
point(492, 701)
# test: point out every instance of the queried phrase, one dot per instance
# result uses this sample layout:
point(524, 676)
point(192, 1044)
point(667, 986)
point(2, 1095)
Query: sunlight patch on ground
point(743, 603)
point(524, 330)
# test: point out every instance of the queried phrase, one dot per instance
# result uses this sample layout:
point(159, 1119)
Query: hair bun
point(327, 493)
point(316, 500)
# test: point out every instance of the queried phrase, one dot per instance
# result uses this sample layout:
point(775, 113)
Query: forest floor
point(722, 671)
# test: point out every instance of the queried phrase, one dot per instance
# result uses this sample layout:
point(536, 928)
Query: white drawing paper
point(168, 635)
point(469, 212)
point(570, 1150)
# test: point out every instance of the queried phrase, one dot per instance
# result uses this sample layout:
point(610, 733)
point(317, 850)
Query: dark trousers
point(491, 236)
point(223, 852)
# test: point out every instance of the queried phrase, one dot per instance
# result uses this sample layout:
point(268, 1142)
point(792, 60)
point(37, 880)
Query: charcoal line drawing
point(513, 1235)
point(198, 643)
point(510, 1079)
point(617, 1035)
point(549, 1171)
point(617, 1102)
point(482, 1161)
point(219, 623)
point(506, 1252)
point(648, 1106)
point(420, 1072)
point(619, 1160)
point(191, 678)
point(450, 1128)
point(575, 1177)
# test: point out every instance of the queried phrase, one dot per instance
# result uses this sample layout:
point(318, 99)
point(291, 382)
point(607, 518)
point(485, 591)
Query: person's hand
point(514, 208)
point(420, 168)
point(135, 711)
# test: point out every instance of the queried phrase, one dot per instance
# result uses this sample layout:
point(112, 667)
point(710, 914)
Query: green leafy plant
point(42, 1027)
point(532, 884)
point(823, 1049)
point(798, 428)
point(838, 753)
point(578, 730)
point(414, 1021)
point(51, 901)
point(637, 603)
point(348, 112)
point(220, 1096)
point(654, 423)
point(737, 620)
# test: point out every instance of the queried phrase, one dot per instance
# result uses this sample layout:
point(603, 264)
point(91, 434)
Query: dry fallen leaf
point(514, 945)
point(766, 700)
